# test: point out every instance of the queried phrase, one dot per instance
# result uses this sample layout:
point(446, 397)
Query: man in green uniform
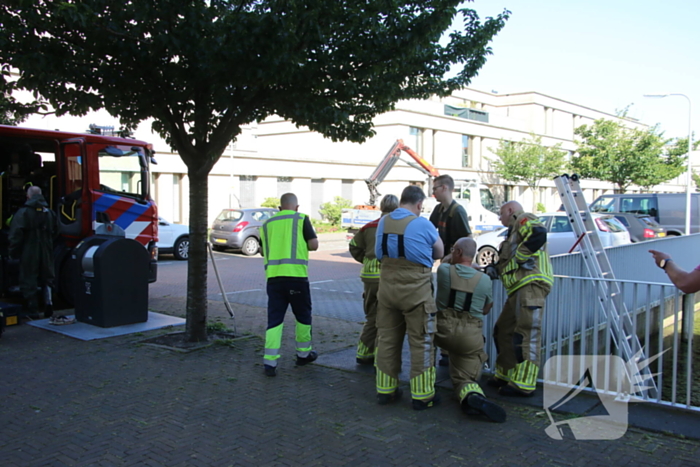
point(526, 272)
point(362, 249)
point(287, 237)
point(32, 234)
point(464, 296)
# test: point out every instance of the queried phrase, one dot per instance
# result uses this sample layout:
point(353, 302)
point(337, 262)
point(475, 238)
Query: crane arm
point(388, 163)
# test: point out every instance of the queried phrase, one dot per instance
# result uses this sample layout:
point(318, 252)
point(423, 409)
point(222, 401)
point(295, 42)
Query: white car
point(173, 238)
point(560, 236)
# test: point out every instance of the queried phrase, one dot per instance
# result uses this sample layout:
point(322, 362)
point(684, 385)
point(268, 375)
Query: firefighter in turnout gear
point(407, 246)
point(32, 234)
point(362, 249)
point(464, 296)
point(287, 237)
point(526, 272)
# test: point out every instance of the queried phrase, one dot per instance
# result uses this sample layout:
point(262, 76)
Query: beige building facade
point(455, 134)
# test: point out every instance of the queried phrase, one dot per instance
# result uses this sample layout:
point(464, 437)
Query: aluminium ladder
point(609, 295)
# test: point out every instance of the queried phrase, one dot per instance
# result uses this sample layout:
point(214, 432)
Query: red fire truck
point(88, 180)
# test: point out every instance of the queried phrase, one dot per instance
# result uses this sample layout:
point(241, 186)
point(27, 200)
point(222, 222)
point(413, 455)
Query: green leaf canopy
point(202, 68)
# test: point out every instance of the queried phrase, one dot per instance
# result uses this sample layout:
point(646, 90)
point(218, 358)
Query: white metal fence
point(574, 323)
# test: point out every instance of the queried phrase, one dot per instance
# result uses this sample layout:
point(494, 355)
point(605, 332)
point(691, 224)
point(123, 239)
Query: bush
point(271, 203)
point(332, 211)
point(540, 207)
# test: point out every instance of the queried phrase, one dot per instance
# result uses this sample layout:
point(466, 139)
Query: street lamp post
point(689, 185)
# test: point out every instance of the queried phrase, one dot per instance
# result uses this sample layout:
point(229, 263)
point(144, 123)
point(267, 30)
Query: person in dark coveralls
point(451, 220)
point(32, 235)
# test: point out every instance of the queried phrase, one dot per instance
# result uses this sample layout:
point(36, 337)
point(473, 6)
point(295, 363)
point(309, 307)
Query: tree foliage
point(13, 112)
point(271, 203)
point(528, 161)
point(609, 151)
point(201, 69)
point(332, 212)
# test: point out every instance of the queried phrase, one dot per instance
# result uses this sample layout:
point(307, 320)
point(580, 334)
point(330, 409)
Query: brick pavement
point(117, 402)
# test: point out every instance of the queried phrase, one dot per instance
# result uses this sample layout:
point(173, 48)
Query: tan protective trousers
point(461, 334)
point(368, 336)
point(406, 306)
point(518, 335)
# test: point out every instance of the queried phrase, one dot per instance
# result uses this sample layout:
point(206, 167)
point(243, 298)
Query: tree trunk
point(196, 327)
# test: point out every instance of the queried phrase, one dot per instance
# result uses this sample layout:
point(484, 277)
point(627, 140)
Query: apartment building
point(455, 134)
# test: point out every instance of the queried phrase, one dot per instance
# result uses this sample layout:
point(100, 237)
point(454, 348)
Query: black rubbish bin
point(112, 287)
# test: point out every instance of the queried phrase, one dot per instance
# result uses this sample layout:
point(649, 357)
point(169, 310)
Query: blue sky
point(601, 54)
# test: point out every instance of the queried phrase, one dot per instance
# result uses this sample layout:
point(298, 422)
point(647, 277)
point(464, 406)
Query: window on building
point(284, 185)
point(346, 189)
point(247, 191)
point(316, 197)
point(466, 151)
point(416, 141)
point(176, 198)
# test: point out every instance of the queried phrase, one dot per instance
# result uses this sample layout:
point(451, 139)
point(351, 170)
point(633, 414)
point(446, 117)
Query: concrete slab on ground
point(88, 332)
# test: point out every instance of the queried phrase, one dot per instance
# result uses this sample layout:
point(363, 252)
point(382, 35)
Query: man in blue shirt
point(407, 245)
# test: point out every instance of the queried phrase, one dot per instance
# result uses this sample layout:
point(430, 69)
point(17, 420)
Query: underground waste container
point(112, 287)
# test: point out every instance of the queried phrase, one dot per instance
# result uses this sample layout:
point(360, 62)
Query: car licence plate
point(662, 234)
point(220, 240)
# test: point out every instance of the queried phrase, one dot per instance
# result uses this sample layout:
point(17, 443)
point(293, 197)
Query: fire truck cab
point(87, 180)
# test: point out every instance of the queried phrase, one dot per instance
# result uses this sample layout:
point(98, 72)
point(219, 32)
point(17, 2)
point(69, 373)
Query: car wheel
point(250, 246)
point(181, 249)
point(486, 256)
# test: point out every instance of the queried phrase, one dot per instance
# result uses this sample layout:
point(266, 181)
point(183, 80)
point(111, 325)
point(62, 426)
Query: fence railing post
point(688, 315)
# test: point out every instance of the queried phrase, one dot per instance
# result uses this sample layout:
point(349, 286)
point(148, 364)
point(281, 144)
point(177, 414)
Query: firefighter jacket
point(32, 234)
point(285, 250)
point(522, 257)
point(362, 249)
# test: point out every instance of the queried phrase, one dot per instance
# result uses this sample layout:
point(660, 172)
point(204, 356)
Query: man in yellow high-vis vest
point(287, 237)
point(362, 249)
point(526, 272)
point(407, 246)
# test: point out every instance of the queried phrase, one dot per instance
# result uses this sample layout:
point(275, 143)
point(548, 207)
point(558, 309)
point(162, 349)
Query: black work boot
point(308, 359)
point(423, 405)
point(384, 399)
point(475, 403)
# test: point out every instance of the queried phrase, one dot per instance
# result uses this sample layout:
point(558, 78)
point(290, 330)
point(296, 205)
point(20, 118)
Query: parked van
point(668, 209)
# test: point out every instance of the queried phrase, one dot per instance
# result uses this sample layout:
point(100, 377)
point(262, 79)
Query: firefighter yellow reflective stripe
point(525, 376)
point(385, 383)
point(363, 351)
point(543, 273)
point(522, 257)
point(370, 269)
point(423, 385)
point(468, 389)
point(503, 374)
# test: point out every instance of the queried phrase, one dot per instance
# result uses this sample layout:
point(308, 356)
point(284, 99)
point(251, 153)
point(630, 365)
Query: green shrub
point(271, 203)
point(332, 211)
point(540, 207)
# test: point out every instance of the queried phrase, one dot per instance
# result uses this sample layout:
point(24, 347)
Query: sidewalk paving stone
point(119, 402)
